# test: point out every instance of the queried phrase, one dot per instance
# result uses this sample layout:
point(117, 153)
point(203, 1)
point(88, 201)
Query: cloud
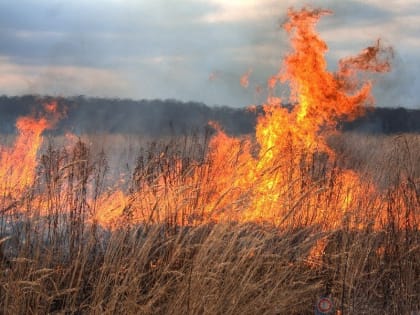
point(59, 80)
point(239, 10)
point(168, 48)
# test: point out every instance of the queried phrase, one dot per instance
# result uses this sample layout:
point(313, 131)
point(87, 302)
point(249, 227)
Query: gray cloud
point(166, 48)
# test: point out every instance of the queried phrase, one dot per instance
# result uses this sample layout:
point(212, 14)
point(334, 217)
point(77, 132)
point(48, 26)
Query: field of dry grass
point(56, 258)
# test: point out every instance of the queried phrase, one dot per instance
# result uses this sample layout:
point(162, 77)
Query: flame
point(269, 183)
point(277, 175)
point(111, 209)
point(18, 163)
point(288, 139)
point(245, 78)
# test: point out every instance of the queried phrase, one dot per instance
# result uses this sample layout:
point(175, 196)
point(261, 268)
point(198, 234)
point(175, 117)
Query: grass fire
point(266, 222)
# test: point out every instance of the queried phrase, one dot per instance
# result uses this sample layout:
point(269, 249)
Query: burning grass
point(217, 224)
point(57, 257)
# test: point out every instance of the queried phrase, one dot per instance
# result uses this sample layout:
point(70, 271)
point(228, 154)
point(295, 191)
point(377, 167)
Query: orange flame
point(18, 163)
point(270, 183)
point(321, 99)
point(276, 175)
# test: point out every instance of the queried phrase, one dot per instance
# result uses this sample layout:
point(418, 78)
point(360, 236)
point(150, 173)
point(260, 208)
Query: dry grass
point(60, 262)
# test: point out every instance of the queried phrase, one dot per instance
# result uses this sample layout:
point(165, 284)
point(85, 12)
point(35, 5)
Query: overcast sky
point(189, 49)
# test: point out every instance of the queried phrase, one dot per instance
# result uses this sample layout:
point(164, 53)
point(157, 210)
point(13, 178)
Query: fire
point(111, 208)
point(288, 139)
point(278, 175)
point(245, 78)
point(18, 163)
point(266, 178)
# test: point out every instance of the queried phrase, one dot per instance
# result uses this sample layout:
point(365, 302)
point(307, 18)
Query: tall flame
point(261, 178)
point(243, 183)
point(18, 163)
point(287, 137)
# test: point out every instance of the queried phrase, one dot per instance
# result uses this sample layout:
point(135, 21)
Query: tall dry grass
point(55, 258)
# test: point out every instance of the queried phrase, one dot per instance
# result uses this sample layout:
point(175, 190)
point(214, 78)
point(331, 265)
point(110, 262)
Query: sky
point(190, 50)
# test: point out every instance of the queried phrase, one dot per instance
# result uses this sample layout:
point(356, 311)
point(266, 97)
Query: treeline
point(172, 117)
point(387, 121)
point(148, 117)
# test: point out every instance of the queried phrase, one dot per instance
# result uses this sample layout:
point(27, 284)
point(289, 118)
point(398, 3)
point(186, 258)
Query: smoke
point(399, 87)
